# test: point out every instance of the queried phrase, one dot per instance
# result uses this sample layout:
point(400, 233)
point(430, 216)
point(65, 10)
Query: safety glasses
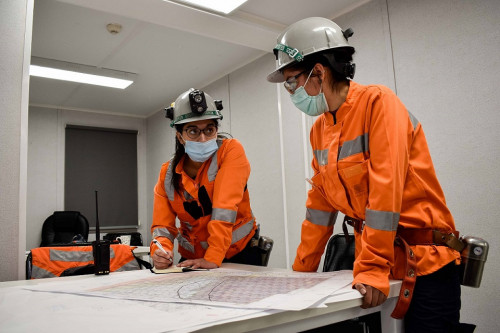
point(194, 132)
point(291, 83)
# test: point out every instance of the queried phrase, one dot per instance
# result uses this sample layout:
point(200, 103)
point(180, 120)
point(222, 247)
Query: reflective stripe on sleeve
point(225, 215)
point(321, 217)
point(169, 187)
point(352, 147)
point(413, 119)
point(213, 168)
point(242, 231)
point(163, 232)
point(380, 220)
point(238, 234)
point(321, 156)
point(74, 256)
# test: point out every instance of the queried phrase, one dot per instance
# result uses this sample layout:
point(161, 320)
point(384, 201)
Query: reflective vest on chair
point(53, 261)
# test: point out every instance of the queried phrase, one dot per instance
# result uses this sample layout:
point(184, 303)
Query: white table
point(31, 310)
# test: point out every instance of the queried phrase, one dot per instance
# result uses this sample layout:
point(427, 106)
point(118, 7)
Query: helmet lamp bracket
point(197, 101)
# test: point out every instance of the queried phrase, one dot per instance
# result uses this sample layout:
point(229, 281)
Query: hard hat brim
point(276, 76)
point(193, 119)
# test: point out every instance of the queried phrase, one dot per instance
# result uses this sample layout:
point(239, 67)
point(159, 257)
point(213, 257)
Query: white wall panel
point(254, 121)
point(446, 64)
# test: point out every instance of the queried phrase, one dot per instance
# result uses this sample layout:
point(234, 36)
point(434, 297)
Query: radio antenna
point(97, 231)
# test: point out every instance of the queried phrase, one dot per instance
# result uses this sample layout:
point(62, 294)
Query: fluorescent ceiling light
point(222, 6)
point(57, 70)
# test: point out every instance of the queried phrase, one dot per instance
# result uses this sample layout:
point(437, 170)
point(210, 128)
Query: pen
point(161, 248)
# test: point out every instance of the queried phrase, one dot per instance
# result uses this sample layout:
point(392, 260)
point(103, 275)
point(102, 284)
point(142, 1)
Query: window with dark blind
point(103, 160)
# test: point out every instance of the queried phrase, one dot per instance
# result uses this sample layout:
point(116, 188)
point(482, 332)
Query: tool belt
point(404, 238)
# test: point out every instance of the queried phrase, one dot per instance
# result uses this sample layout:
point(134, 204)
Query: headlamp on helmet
point(197, 101)
point(193, 105)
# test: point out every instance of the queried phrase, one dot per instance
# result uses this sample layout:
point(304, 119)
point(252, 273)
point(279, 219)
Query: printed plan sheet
point(181, 302)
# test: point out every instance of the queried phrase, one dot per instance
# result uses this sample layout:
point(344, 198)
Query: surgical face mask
point(310, 105)
point(201, 151)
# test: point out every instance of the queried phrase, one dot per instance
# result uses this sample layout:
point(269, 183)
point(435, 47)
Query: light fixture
point(67, 71)
point(224, 6)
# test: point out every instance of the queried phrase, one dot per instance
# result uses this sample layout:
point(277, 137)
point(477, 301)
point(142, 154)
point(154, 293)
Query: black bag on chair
point(339, 253)
point(135, 237)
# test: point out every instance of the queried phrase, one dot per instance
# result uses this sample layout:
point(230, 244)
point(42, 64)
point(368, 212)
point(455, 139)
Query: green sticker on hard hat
point(293, 53)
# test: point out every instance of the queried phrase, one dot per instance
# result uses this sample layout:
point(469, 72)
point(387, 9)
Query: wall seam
point(283, 178)
point(387, 24)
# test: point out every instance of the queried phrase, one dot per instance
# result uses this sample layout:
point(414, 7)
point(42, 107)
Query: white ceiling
point(169, 46)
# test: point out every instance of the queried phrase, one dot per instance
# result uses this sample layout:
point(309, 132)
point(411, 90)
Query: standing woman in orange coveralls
point(205, 186)
point(371, 162)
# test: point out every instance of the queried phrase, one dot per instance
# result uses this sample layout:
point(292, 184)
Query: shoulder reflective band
point(293, 53)
point(191, 115)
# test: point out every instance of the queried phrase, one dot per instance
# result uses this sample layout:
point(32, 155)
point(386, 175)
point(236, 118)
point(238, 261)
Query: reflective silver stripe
point(352, 147)
point(204, 245)
point(74, 256)
point(213, 168)
point(225, 215)
point(188, 225)
point(169, 188)
point(413, 119)
point(321, 156)
point(242, 231)
point(187, 196)
point(380, 220)
point(183, 242)
point(163, 232)
point(40, 273)
point(132, 265)
point(321, 217)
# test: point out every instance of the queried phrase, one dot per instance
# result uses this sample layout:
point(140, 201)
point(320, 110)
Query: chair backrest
point(61, 227)
point(339, 253)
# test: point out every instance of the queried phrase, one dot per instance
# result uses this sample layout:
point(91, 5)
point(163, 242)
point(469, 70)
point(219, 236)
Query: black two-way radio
point(100, 248)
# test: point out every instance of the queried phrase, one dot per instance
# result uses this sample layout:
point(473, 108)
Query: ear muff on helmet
point(193, 105)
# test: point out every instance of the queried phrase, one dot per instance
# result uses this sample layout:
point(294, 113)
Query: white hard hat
point(305, 37)
point(193, 105)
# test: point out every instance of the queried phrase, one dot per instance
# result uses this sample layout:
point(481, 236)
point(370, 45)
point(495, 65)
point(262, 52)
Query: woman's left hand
point(371, 296)
point(198, 263)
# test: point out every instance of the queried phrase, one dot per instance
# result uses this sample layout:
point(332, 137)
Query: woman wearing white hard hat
point(371, 162)
point(205, 186)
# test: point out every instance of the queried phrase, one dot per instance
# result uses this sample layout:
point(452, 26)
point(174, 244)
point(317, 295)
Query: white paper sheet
point(281, 290)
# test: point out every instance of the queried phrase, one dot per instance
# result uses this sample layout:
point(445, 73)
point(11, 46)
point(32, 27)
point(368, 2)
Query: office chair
point(339, 255)
point(62, 227)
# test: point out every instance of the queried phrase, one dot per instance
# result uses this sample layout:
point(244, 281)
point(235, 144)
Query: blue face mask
point(201, 151)
point(310, 105)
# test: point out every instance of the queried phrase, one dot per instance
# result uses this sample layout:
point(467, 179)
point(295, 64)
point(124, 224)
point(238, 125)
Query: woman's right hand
point(162, 260)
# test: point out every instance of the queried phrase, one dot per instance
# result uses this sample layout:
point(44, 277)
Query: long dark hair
point(179, 153)
point(327, 58)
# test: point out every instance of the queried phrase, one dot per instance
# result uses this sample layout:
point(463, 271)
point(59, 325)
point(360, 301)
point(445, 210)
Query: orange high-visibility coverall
point(227, 222)
point(371, 162)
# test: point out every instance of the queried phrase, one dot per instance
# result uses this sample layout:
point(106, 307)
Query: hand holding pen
point(159, 258)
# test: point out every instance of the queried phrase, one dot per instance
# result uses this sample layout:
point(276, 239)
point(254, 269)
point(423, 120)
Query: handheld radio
point(100, 248)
